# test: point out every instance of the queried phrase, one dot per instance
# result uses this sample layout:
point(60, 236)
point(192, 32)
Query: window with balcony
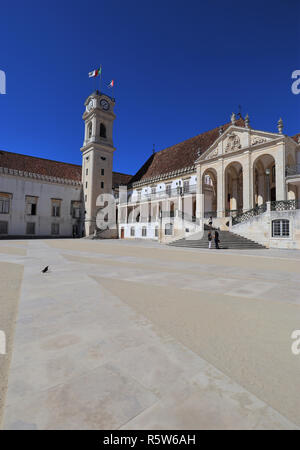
point(281, 228)
point(186, 185)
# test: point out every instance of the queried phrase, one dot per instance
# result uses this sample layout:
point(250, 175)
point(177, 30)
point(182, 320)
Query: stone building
point(247, 180)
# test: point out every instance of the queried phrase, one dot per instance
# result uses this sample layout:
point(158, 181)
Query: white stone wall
point(17, 218)
point(138, 230)
point(259, 229)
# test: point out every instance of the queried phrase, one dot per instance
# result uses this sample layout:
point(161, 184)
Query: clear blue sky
point(180, 68)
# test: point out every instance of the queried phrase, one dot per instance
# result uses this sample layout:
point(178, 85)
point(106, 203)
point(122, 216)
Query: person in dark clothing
point(209, 237)
point(217, 240)
point(210, 222)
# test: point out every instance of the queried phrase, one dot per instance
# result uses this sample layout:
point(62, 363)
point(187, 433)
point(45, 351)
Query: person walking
point(217, 240)
point(209, 237)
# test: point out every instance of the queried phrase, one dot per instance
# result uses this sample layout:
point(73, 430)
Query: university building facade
point(247, 180)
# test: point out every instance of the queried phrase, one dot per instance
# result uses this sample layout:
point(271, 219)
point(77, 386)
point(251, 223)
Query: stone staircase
point(228, 240)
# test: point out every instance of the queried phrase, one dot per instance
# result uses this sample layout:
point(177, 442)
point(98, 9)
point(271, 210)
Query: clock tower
point(97, 154)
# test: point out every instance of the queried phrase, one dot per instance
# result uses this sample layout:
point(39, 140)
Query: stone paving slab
point(139, 336)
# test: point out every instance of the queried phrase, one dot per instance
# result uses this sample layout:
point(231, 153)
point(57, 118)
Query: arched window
point(102, 130)
point(168, 229)
point(90, 128)
point(280, 228)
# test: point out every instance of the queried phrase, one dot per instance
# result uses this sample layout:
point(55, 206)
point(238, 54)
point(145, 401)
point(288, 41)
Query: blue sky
point(180, 68)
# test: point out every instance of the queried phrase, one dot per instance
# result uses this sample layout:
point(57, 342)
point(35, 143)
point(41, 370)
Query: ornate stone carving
point(212, 154)
point(258, 140)
point(233, 143)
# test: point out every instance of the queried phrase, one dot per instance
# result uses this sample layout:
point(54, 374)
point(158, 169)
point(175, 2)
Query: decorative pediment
point(235, 139)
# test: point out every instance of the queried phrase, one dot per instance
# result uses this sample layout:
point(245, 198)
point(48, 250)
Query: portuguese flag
point(95, 73)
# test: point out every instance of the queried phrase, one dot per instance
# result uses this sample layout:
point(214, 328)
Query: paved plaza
point(137, 335)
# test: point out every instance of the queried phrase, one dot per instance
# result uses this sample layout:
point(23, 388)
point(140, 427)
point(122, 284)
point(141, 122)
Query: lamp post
point(268, 184)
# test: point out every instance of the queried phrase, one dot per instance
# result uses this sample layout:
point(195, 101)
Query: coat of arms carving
point(233, 143)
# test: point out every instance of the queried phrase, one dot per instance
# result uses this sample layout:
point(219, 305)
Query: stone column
point(280, 173)
point(199, 195)
point(220, 190)
point(247, 183)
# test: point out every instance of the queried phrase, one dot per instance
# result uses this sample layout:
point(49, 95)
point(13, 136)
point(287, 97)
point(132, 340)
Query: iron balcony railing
point(292, 170)
point(160, 194)
point(243, 217)
point(285, 205)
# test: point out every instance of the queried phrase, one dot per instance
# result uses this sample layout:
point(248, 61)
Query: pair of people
point(216, 239)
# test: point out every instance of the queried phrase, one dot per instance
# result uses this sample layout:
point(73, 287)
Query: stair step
point(228, 240)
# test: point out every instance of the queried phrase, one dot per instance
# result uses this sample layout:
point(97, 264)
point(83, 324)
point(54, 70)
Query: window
point(30, 228)
point(102, 184)
point(87, 171)
point(132, 232)
point(90, 128)
point(144, 231)
point(85, 198)
point(139, 195)
point(55, 228)
point(156, 231)
point(86, 184)
point(186, 184)
point(31, 205)
point(102, 171)
point(75, 209)
point(3, 227)
point(153, 190)
point(4, 204)
point(280, 228)
point(56, 207)
point(168, 190)
point(168, 229)
point(102, 130)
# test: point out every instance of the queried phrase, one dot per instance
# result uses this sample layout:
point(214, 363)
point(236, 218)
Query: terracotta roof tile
point(296, 137)
point(50, 168)
point(40, 166)
point(180, 155)
point(120, 178)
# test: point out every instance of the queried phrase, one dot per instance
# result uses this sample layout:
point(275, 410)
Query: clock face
point(104, 104)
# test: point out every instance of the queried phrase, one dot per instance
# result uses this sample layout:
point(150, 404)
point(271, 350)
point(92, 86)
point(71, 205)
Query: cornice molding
point(164, 176)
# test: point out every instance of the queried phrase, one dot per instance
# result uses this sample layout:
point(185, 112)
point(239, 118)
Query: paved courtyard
point(135, 335)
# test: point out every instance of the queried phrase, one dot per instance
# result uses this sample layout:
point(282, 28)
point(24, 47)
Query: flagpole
point(100, 79)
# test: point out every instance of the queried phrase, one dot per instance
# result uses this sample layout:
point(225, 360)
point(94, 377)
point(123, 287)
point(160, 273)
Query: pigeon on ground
point(45, 269)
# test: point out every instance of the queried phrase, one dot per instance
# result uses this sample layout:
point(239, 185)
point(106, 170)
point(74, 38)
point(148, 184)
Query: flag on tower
point(111, 84)
point(95, 73)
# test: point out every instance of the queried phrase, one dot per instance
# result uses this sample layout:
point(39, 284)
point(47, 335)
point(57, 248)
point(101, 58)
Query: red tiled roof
point(180, 155)
point(296, 137)
point(120, 178)
point(40, 166)
point(50, 168)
